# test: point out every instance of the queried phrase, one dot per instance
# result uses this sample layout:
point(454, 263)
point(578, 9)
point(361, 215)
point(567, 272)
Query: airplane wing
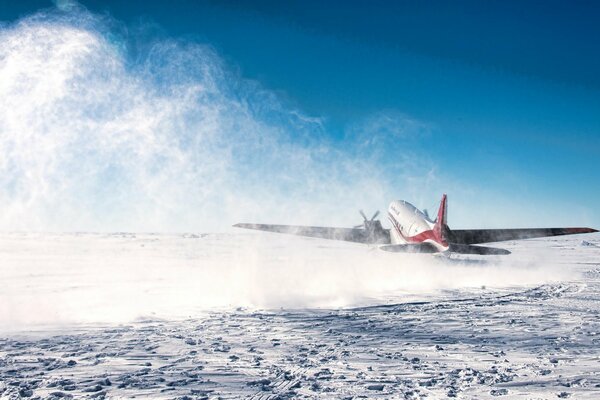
point(346, 234)
point(474, 236)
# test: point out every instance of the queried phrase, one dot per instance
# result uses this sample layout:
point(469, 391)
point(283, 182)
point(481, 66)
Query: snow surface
point(267, 316)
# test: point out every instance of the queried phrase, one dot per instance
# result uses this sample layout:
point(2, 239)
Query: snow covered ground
point(266, 316)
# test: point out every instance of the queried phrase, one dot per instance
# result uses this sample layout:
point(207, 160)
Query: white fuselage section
point(410, 225)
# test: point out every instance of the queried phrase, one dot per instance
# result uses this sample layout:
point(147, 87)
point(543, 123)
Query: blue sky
point(509, 91)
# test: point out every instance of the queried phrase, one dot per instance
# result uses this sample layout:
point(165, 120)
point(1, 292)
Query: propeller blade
point(358, 226)
point(363, 215)
point(375, 215)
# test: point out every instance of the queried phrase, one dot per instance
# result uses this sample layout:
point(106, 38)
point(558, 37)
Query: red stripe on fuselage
point(419, 238)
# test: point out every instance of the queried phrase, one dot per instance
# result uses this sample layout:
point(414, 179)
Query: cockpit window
point(410, 206)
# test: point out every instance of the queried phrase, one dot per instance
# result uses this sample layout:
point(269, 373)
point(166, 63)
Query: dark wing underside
point(346, 234)
point(474, 236)
point(480, 250)
point(454, 248)
point(410, 248)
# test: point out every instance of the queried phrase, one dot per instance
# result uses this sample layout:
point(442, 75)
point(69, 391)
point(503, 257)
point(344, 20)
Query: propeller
point(366, 220)
point(363, 214)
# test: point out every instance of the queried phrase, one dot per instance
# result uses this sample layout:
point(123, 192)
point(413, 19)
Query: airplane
point(414, 232)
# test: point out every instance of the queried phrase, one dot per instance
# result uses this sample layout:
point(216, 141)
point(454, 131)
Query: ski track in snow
point(529, 342)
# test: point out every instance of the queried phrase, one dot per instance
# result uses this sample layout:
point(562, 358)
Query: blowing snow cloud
point(100, 130)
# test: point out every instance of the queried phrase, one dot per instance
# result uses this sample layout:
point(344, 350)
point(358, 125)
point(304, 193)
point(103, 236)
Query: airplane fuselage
point(410, 226)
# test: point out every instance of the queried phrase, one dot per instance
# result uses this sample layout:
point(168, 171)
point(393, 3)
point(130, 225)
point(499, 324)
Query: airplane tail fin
point(439, 228)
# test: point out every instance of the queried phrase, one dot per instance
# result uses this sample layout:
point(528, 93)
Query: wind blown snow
point(58, 279)
point(104, 130)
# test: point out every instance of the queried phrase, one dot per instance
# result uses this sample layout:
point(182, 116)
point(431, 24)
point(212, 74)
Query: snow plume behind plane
point(56, 280)
point(101, 130)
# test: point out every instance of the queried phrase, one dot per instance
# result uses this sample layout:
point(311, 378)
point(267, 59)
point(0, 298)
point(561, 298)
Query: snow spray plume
point(93, 277)
point(99, 134)
point(102, 131)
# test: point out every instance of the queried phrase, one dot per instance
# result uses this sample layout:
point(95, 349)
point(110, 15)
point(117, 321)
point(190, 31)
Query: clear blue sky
point(510, 89)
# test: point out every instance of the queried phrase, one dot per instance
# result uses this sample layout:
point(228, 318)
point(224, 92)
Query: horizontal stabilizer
point(409, 248)
point(454, 248)
point(481, 250)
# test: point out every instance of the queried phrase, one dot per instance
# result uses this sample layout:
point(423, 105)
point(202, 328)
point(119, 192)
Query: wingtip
point(244, 225)
point(584, 230)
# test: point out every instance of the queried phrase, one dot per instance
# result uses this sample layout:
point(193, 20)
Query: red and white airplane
point(414, 232)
